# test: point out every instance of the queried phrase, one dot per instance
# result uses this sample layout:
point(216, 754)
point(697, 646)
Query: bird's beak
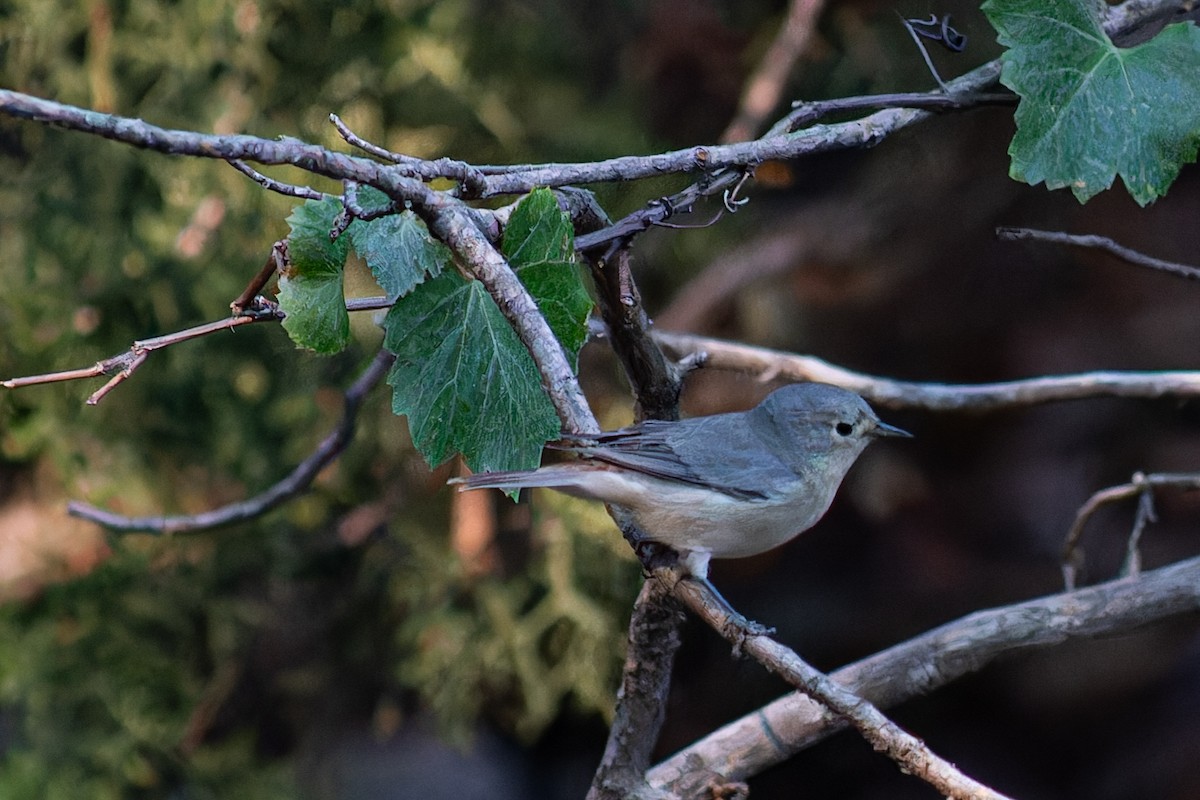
point(883, 429)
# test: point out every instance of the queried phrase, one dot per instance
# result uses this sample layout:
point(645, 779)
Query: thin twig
point(122, 365)
point(277, 261)
point(351, 204)
point(909, 752)
point(1100, 243)
point(771, 364)
point(612, 238)
point(774, 733)
point(471, 180)
point(806, 113)
point(1141, 486)
point(270, 184)
point(295, 483)
point(912, 26)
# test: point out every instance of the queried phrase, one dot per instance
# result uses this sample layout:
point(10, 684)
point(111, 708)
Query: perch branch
point(295, 483)
point(774, 733)
point(656, 621)
point(910, 754)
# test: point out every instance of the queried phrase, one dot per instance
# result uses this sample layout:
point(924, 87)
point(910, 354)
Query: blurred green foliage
point(197, 665)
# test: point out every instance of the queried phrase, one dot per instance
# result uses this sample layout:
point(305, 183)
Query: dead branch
point(296, 482)
point(1140, 486)
point(770, 364)
point(1100, 243)
point(910, 753)
point(794, 722)
point(122, 365)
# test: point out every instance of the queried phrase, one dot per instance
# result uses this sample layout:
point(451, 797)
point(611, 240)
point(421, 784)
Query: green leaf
point(539, 243)
point(311, 290)
point(1089, 110)
point(399, 251)
point(464, 380)
point(462, 377)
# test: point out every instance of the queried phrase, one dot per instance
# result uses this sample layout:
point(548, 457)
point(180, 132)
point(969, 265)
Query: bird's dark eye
point(843, 428)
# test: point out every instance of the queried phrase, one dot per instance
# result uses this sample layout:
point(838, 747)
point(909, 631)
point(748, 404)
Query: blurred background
point(347, 645)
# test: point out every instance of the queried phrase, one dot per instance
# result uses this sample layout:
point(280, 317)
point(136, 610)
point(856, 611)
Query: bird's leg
point(688, 572)
point(734, 625)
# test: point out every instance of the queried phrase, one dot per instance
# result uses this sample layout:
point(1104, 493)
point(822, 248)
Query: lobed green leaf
point(462, 376)
point(1091, 111)
point(398, 248)
point(311, 293)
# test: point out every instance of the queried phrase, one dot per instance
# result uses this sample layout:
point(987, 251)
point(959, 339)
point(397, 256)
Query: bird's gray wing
point(720, 452)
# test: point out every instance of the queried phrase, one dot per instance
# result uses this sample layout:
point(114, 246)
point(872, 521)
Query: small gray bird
point(724, 486)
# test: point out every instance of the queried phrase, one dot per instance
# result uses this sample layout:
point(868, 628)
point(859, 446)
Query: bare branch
point(122, 365)
point(1140, 486)
point(866, 132)
point(241, 147)
point(1100, 243)
point(397, 180)
point(807, 112)
point(270, 184)
point(909, 752)
point(472, 181)
point(295, 483)
point(608, 240)
point(771, 364)
point(654, 639)
point(352, 206)
point(656, 622)
point(776, 732)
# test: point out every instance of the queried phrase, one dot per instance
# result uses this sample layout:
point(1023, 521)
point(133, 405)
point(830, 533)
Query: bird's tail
point(553, 477)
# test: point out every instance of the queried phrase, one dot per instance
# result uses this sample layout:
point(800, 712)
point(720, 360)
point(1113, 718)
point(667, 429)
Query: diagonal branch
point(123, 365)
point(450, 221)
point(910, 753)
point(294, 484)
point(1100, 243)
point(773, 734)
